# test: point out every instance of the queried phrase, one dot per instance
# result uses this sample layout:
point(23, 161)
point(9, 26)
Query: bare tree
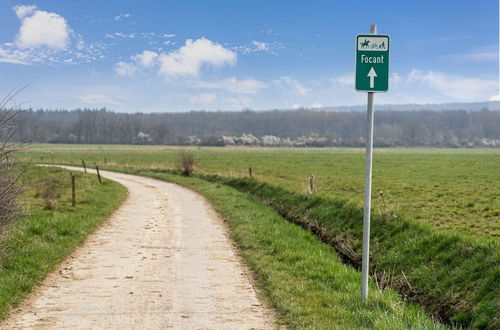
point(9, 179)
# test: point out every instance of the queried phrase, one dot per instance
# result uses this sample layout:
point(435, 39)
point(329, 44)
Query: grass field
point(49, 228)
point(454, 189)
point(434, 233)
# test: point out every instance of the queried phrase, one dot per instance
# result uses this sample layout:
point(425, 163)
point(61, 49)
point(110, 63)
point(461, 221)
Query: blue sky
point(157, 56)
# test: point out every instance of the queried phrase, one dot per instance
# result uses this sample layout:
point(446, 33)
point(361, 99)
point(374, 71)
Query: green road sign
point(372, 63)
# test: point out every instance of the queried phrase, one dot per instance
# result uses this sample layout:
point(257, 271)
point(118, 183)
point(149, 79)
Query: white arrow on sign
point(372, 74)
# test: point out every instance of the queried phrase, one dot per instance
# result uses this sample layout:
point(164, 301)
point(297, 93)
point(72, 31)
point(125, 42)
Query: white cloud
point(296, 106)
point(345, 80)
point(188, 60)
point(479, 54)
point(146, 59)
point(418, 86)
point(119, 35)
point(291, 85)
point(205, 98)
point(82, 53)
point(456, 87)
point(260, 46)
point(40, 28)
point(256, 46)
point(22, 10)
point(395, 79)
point(246, 86)
point(121, 17)
point(46, 38)
point(15, 56)
point(125, 69)
point(169, 35)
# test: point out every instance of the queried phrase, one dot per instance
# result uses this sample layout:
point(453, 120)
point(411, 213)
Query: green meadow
point(435, 225)
point(452, 189)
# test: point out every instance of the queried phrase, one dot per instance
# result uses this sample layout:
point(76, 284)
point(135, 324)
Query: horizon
point(192, 56)
point(381, 107)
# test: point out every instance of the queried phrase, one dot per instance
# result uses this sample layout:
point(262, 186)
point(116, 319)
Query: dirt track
point(163, 260)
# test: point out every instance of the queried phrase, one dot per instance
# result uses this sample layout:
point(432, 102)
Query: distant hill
point(467, 106)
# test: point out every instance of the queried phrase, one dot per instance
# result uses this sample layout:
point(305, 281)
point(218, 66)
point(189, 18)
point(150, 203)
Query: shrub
point(9, 181)
point(186, 162)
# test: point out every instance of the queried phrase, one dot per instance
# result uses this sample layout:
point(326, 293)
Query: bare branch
point(9, 176)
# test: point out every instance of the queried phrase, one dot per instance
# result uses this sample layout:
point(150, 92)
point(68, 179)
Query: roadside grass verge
point(302, 278)
point(457, 278)
point(50, 228)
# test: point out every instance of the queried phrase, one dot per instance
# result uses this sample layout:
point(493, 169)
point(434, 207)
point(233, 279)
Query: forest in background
point(299, 128)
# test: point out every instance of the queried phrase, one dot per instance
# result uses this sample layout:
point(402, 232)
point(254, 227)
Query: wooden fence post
point(311, 184)
point(73, 189)
point(84, 167)
point(98, 173)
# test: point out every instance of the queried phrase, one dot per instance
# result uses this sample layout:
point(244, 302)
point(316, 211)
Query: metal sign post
point(372, 75)
point(368, 200)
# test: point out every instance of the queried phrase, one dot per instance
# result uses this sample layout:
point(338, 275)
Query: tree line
point(303, 128)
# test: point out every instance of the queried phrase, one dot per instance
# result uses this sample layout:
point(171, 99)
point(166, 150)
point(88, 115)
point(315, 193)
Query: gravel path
point(163, 260)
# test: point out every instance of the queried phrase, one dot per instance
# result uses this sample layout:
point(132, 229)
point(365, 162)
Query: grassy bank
point(302, 278)
point(49, 228)
point(455, 277)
